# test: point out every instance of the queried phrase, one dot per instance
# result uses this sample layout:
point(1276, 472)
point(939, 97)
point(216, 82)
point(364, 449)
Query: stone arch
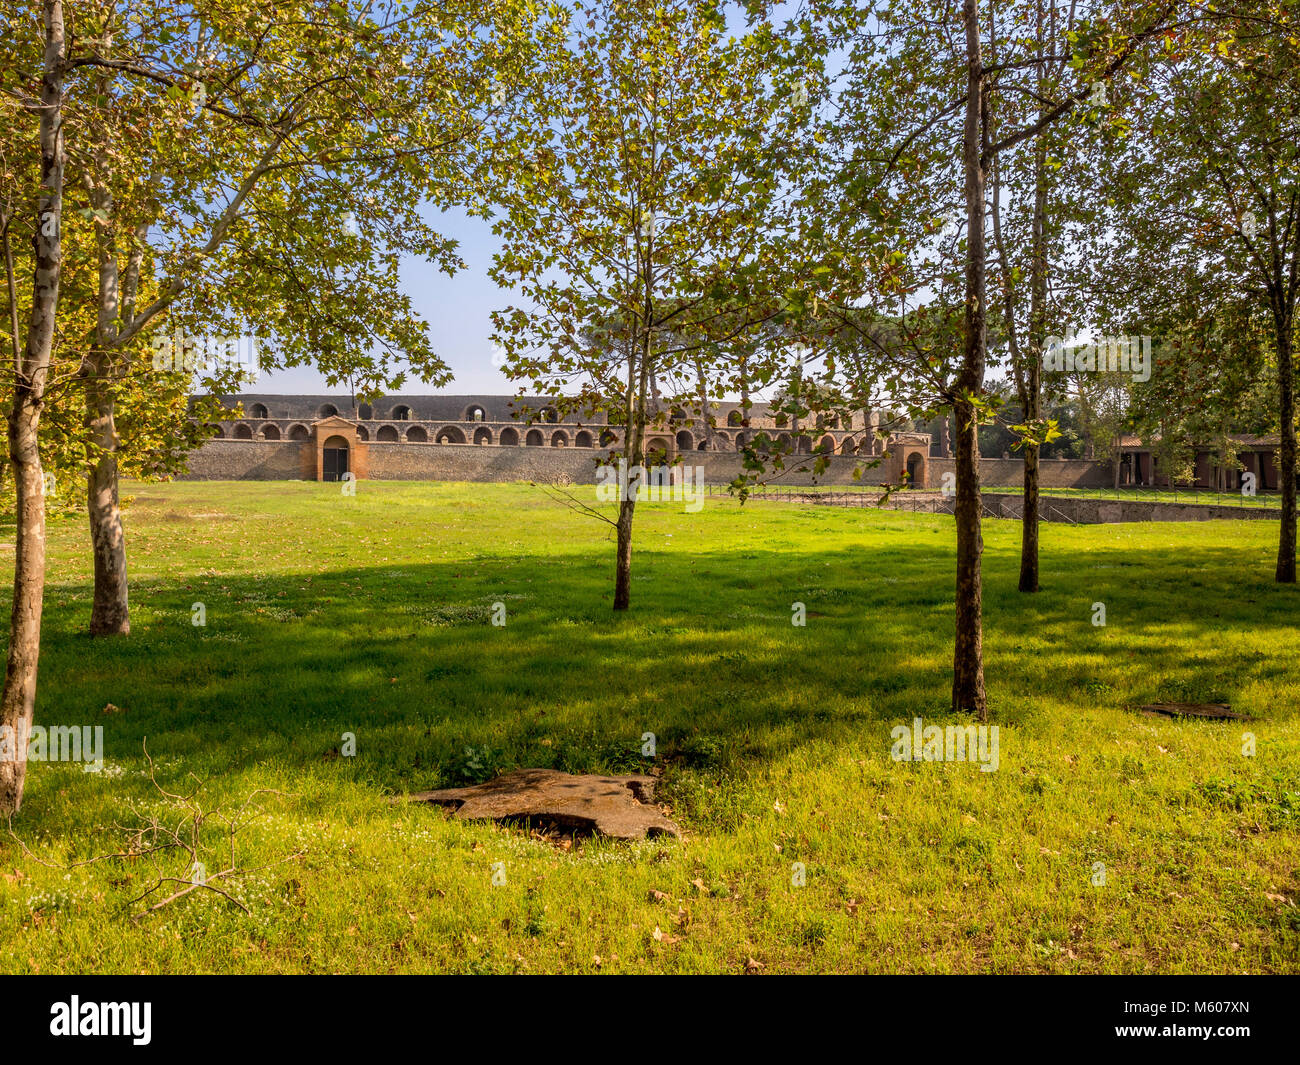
point(509, 437)
point(848, 446)
point(327, 410)
point(299, 432)
point(258, 411)
point(533, 439)
point(475, 414)
point(735, 418)
point(449, 434)
point(417, 434)
point(826, 445)
point(243, 432)
point(685, 442)
point(676, 416)
point(363, 433)
point(583, 439)
point(608, 437)
point(804, 446)
point(365, 412)
point(270, 431)
point(387, 434)
point(401, 413)
point(658, 451)
point(482, 436)
point(559, 438)
point(741, 440)
point(917, 469)
point(549, 415)
point(217, 432)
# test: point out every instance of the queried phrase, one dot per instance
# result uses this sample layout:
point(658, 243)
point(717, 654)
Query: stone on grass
point(1205, 711)
point(619, 807)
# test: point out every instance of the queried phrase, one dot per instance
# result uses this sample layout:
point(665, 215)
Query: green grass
point(371, 615)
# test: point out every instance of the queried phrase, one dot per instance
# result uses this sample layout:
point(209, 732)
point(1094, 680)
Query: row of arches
point(399, 413)
point(534, 437)
point(418, 434)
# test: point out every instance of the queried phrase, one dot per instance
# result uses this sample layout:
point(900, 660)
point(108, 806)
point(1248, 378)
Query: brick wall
point(267, 460)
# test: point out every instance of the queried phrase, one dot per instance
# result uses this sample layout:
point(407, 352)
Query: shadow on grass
point(406, 658)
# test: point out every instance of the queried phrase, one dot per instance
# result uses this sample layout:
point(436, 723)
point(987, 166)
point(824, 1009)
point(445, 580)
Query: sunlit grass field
point(371, 615)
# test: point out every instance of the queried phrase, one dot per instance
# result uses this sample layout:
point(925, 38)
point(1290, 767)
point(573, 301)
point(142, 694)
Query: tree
point(638, 221)
point(1210, 181)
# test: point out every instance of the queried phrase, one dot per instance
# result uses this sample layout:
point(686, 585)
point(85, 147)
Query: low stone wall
point(234, 460)
point(1107, 511)
point(1052, 473)
point(246, 460)
point(269, 460)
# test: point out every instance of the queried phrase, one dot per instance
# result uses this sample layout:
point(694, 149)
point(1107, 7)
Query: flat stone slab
point(619, 807)
point(1205, 711)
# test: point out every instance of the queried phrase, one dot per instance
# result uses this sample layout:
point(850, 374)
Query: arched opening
point(735, 418)
point(401, 414)
point(583, 439)
point(216, 432)
point(365, 412)
point(243, 432)
point(847, 446)
point(509, 437)
point(550, 416)
point(476, 414)
point(915, 470)
point(559, 438)
point(334, 459)
point(363, 433)
point(657, 451)
point(449, 434)
point(741, 440)
point(685, 442)
point(482, 436)
point(608, 437)
point(533, 439)
point(805, 446)
point(270, 431)
point(258, 411)
point(417, 434)
point(826, 445)
point(676, 416)
point(387, 434)
point(327, 410)
point(299, 432)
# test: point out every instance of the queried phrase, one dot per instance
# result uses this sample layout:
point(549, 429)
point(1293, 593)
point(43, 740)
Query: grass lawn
point(328, 615)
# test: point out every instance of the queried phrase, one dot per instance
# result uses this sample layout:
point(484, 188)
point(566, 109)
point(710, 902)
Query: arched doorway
point(916, 470)
point(334, 459)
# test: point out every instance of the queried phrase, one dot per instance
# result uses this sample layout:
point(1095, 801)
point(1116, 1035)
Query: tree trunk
point(1286, 480)
point(110, 613)
point(1033, 397)
point(968, 651)
point(623, 564)
point(18, 699)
